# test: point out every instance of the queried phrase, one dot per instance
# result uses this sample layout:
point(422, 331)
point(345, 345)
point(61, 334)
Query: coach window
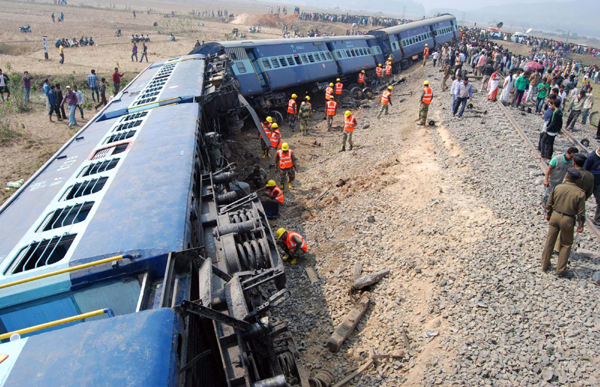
point(290, 60)
point(266, 63)
point(323, 57)
point(297, 59)
point(311, 58)
point(275, 63)
point(304, 58)
point(282, 61)
point(241, 68)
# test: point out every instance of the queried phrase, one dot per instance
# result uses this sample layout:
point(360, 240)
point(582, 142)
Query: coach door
point(258, 69)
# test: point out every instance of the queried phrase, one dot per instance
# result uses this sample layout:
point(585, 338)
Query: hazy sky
point(474, 4)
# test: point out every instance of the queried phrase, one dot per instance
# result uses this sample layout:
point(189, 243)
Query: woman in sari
point(493, 86)
point(507, 88)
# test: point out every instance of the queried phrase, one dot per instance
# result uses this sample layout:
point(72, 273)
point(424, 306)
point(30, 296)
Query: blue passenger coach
point(132, 167)
point(268, 71)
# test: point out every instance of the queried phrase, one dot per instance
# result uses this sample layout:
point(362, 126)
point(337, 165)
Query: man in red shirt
point(117, 80)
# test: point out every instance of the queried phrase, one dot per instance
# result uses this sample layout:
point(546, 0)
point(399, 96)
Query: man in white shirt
point(79, 100)
point(587, 106)
point(454, 89)
point(562, 94)
point(435, 57)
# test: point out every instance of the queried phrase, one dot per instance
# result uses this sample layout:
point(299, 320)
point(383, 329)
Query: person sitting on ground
point(293, 245)
point(257, 177)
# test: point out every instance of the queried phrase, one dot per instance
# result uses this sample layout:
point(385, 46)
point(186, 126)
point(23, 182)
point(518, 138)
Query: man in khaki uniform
point(565, 206)
point(447, 71)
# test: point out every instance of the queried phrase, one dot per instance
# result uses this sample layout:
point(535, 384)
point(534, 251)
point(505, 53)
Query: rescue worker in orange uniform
point(267, 128)
point(275, 137)
point(425, 54)
point(388, 71)
point(272, 199)
point(426, 98)
point(330, 111)
point(349, 125)
point(328, 91)
point(379, 73)
point(285, 161)
point(385, 101)
point(292, 111)
point(338, 87)
point(293, 245)
point(361, 79)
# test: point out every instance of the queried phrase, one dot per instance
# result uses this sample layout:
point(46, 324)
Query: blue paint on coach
point(139, 349)
point(352, 55)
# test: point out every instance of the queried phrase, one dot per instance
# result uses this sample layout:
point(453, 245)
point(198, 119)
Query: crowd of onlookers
point(543, 83)
point(72, 97)
point(557, 47)
point(359, 20)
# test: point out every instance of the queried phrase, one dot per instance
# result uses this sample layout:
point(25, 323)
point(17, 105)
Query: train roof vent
point(66, 216)
point(99, 167)
point(84, 188)
point(134, 116)
point(110, 151)
point(155, 86)
point(42, 253)
point(120, 136)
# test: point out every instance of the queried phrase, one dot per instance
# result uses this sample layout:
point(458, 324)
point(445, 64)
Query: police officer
point(447, 71)
point(426, 98)
point(565, 207)
point(304, 115)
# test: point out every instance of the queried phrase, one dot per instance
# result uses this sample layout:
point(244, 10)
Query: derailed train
point(138, 227)
point(268, 70)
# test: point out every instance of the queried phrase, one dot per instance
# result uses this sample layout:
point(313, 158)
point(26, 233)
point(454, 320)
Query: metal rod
point(59, 322)
point(67, 270)
point(203, 311)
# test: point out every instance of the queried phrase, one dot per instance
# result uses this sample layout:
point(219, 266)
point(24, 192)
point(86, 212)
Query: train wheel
point(356, 93)
point(367, 93)
point(277, 116)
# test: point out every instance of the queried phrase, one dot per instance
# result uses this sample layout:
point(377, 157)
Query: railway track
point(530, 136)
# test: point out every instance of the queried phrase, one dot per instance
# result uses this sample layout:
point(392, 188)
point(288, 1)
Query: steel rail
point(543, 165)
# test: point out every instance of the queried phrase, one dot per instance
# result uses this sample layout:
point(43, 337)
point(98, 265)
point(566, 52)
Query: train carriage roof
point(174, 80)
point(137, 349)
point(142, 207)
point(268, 42)
point(413, 25)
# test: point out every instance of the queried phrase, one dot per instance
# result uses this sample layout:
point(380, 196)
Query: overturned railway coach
point(141, 211)
point(269, 70)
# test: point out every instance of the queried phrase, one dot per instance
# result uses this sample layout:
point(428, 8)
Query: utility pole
point(404, 12)
point(464, 17)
